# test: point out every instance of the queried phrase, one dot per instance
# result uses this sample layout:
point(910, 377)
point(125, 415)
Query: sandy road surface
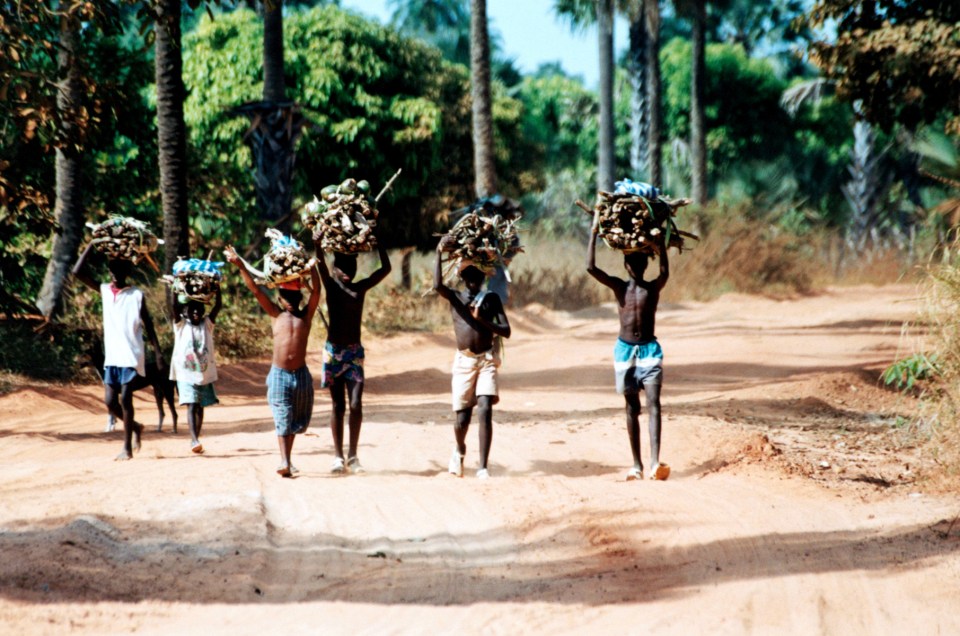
point(781, 516)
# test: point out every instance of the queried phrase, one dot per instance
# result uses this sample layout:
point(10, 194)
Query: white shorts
point(474, 374)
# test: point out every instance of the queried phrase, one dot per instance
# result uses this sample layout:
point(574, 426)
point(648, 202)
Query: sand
point(796, 503)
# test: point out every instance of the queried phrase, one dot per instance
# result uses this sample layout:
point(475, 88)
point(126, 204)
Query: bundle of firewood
point(195, 279)
point(286, 261)
point(343, 218)
point(631, 222)
point(484, 241)
point(125, 238)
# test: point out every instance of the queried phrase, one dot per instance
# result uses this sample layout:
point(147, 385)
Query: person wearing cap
point(125, 320)
point(343, 353)
point(479, 321)
point(289, 383)
point(637, 356)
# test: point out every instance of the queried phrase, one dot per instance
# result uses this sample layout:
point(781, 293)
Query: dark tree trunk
point(637, 69)
point(483, 156)
point(654, 100)
point(698, 126)
point(605, 150)
point(69, 205)
point(274, 84)
point(171, 132)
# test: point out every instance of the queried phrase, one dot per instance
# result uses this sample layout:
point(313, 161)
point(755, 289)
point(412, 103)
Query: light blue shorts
point(202, 394)
point(113, 376)
point(290, 395)
point(636, 365)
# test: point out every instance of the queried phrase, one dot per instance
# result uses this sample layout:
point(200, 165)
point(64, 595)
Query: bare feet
point(122, 457)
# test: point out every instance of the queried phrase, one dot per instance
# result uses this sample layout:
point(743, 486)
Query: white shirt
point(194, 360)
point(123, 328)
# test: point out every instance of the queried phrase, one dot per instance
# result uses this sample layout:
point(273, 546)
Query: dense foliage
point(899, 60)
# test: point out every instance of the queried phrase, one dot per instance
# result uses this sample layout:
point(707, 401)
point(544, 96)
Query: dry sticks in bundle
point(632, 223)
point(195, 279)
point(285, 262)
point(484, 241)
point(343, 218)
point(125, 238)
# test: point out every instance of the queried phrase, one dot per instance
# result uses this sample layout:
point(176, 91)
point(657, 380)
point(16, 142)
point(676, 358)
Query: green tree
point(901, 60)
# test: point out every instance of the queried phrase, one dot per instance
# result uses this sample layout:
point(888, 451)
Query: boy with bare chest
point(289, 383)
point(637, 356)
point(478, 322)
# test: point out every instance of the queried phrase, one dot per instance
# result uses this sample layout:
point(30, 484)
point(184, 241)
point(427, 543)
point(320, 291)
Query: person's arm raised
point(268, 305)
point(315, 290)
point(217, 305)
point(664, 263)
point(81, 274)
point(592, 269)
point(151, 334)
point(438, 285)
point(382, 272)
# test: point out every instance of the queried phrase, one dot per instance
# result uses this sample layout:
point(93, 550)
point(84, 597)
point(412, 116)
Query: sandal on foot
point(660, 472)
point(635, 474)
point(456, 464)
point(337, 468)
point(353, 465)
point(284, 471)
point(197, 448)
point(483, 473)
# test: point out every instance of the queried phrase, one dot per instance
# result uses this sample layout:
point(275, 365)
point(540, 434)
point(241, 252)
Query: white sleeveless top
point(123, 328)
point(194, 360)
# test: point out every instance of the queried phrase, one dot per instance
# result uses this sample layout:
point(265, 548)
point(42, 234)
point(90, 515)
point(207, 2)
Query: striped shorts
point(636, 365)
point(290, 395)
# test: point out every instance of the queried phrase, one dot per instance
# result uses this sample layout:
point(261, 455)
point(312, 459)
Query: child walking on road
point(637, 356)
point(125, 319)
point(478, 322)
point(289, 383)
point(194, 364)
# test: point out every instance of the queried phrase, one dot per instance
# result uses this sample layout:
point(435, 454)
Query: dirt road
point(790, 509)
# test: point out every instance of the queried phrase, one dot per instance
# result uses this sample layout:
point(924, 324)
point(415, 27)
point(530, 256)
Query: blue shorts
point(636, 365)
point(113, 376)
point(290, 395)
point(202, 394)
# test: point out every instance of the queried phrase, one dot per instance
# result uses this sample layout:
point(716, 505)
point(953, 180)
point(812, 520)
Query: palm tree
point(171, 131)
point(69, 205)
point(443, 23)
point(698, 127)
point(274, 89)
point(643, 70)
point(606, 164)
point(654, 88)
point(483, 155)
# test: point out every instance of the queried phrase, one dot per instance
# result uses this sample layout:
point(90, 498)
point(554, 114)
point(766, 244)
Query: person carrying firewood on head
point(344, 222)
point(638, 358)
point(479, 321)
point(193, 364)
point(125, 319)
point(343, 354)
point(289, 383)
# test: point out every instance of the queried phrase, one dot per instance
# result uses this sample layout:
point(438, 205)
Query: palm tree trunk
point(654, 89)
point(171, 132)
point(483, 155)
point(698, 128)
point(637, 68)
point(69, 205)
point(605, 149)
point(274, 84)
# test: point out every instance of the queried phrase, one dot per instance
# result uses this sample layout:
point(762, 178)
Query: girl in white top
point(194, 364)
